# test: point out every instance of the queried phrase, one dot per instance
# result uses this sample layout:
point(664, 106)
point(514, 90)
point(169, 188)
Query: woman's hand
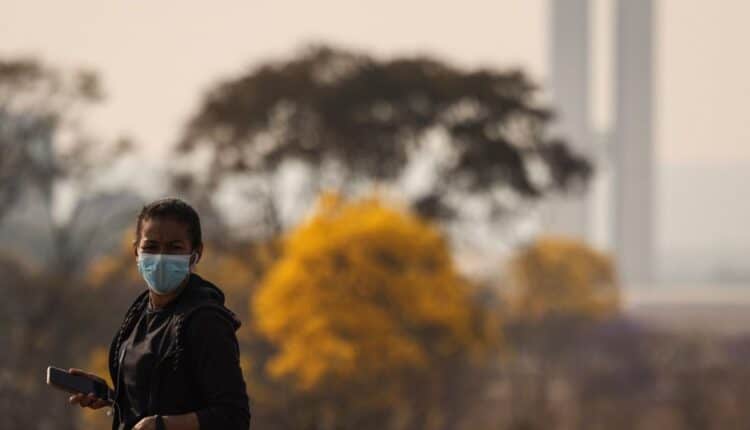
point(187, 421)
point(87, 400)
point(148, 423)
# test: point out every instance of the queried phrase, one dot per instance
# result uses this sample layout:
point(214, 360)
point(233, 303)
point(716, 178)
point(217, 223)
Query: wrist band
point(160, 423)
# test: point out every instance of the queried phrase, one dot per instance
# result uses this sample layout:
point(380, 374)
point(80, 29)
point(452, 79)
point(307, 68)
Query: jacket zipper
point(117, 384)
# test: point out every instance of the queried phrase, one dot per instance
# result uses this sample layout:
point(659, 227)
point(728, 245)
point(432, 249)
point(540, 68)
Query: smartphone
point(64, 380)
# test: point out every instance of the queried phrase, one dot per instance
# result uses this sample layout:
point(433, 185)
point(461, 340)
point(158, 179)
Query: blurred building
point(631, 194)
point(570, 86)
point(633, 140)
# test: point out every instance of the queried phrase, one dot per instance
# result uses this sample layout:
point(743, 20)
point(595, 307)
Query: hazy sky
point(156, 58)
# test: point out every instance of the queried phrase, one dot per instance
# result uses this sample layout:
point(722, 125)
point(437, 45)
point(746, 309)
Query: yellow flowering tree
point(562, 277)
point(366, 296)
point(558, 288)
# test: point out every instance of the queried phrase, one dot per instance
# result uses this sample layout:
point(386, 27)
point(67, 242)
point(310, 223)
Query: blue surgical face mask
point(164, 272)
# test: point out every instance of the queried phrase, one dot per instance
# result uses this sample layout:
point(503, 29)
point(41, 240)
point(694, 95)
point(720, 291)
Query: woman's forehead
point(163, 229)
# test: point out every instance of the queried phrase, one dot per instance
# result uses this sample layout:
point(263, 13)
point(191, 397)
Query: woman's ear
point(198, 252)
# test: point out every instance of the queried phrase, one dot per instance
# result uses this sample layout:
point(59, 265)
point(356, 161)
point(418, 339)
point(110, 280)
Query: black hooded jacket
point(190, 361)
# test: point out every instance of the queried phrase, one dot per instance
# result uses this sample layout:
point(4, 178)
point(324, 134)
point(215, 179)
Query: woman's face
point(164, 236)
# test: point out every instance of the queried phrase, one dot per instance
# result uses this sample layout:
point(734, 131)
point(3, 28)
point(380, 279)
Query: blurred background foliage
point(348, 121)
point(366, 296)
point(355, 313)
point(558, 277)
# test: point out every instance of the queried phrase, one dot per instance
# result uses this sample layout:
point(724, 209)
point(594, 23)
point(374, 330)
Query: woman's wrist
point(187, 421)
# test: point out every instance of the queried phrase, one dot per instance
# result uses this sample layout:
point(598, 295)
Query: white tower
point(633, 146)
point(569, 56)
point(632, 193)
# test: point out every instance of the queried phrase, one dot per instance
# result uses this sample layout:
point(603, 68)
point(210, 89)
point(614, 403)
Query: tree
point(38, 104)
point(41, 321)
point(365, 307)
point(46, 312)
point(43, 143)
point(558, 277)
point(558, 289)
point(352, 120)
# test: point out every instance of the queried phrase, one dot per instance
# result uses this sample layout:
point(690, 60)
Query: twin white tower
point(629, 142)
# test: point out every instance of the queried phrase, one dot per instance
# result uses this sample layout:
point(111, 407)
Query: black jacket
point(198, 365)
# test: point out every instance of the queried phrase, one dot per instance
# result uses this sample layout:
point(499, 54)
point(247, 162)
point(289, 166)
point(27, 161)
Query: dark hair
point(175, 209)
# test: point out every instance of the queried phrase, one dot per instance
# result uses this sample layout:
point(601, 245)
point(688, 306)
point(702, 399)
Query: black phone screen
point(76, 383)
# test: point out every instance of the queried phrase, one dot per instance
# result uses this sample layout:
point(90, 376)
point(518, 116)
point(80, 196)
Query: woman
point(175, 359)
